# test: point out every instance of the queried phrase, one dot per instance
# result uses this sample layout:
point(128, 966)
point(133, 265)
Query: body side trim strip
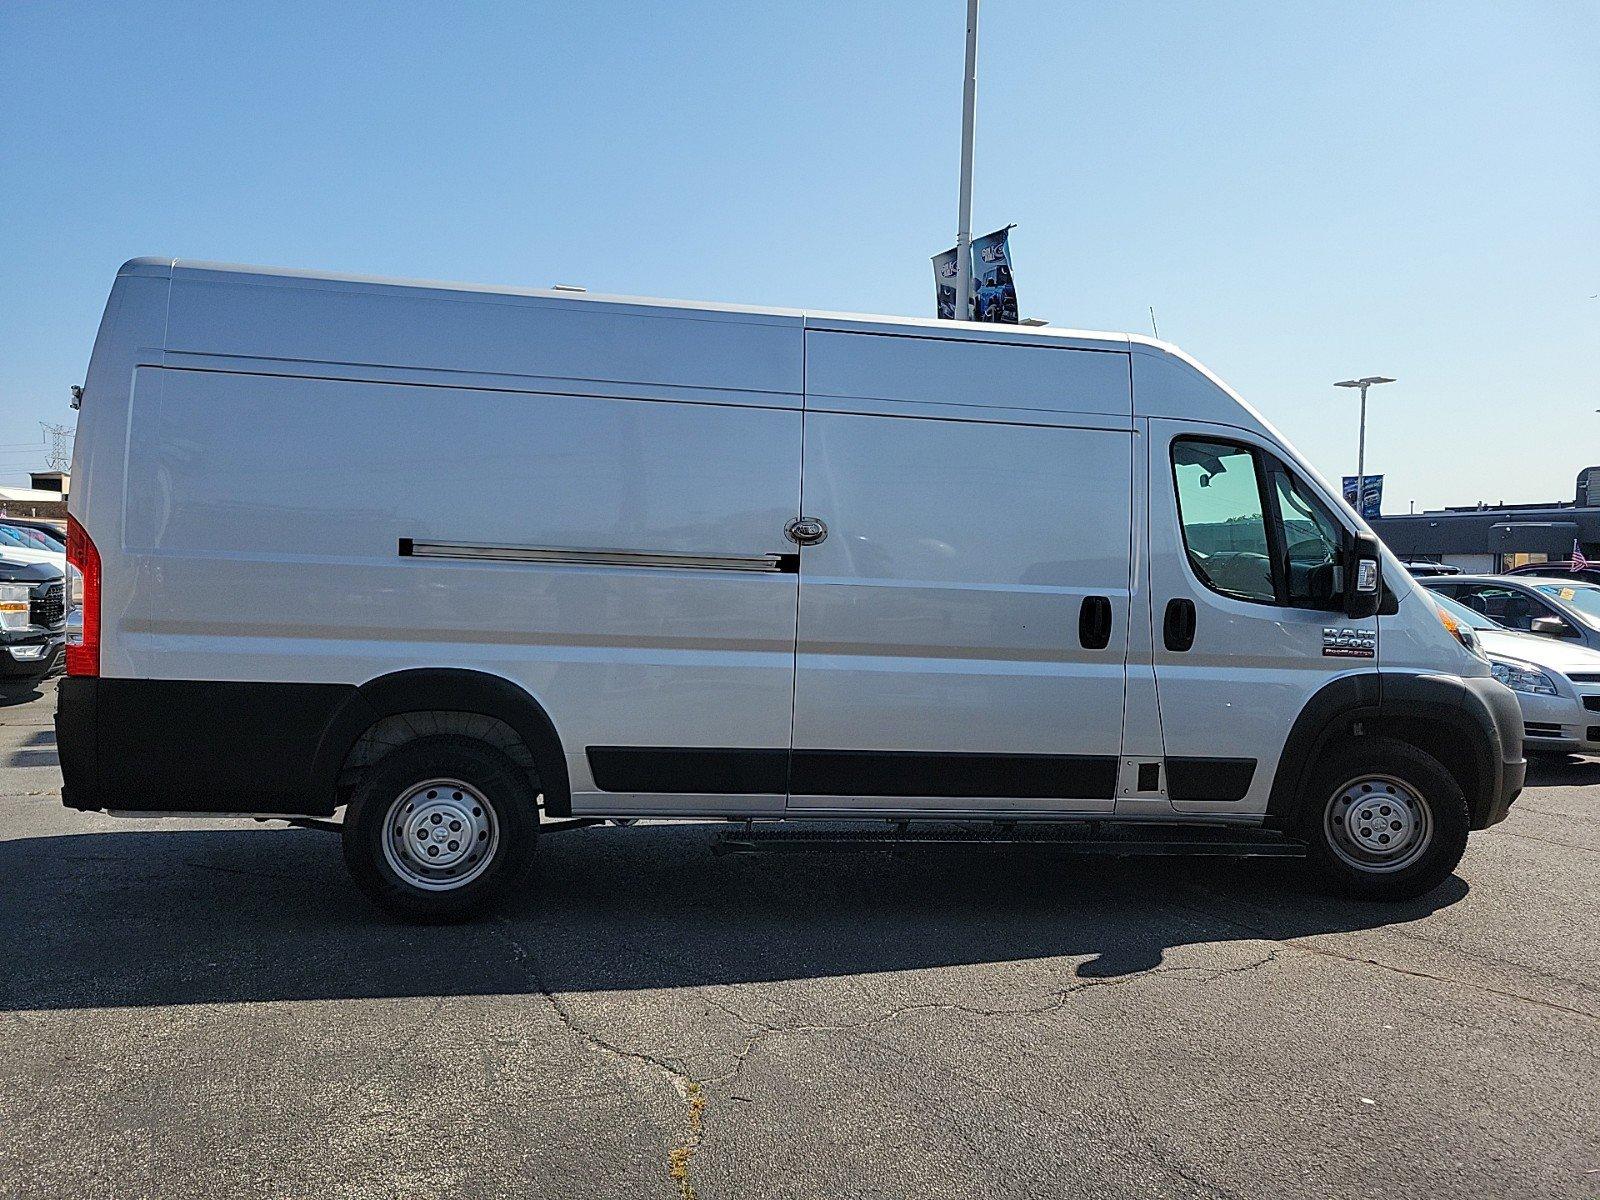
point(1209, 778)
point(667, 769)
point(579, 556)
point(707, 771)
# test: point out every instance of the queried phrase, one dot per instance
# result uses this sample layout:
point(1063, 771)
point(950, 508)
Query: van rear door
point(964, 623)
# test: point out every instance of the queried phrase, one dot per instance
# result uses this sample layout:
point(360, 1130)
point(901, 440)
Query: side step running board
point(1204, 841)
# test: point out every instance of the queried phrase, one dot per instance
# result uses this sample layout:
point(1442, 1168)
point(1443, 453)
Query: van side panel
point(961, 377)
point(940, 659)
point(322, 324)
point(264, 526)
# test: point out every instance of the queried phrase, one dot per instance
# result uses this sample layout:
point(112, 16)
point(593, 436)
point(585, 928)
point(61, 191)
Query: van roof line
point(153, 266)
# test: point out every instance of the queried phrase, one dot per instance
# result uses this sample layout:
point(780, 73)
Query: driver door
point(1246, 575)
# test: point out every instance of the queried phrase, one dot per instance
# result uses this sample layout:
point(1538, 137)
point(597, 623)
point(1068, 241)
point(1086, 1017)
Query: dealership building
point(1486, 538)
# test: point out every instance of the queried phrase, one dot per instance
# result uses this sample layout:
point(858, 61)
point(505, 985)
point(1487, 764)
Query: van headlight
point(1522, 677)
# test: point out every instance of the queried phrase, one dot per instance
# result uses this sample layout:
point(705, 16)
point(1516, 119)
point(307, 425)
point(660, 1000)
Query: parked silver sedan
point(1557, 682)
point(1568, 609)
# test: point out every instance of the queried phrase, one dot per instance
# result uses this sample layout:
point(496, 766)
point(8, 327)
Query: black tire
point(496, 790)
point(1354, 780)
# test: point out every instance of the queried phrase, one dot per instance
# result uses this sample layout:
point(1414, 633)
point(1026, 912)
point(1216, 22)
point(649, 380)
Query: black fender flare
point(445, 690)
point(1482, 748)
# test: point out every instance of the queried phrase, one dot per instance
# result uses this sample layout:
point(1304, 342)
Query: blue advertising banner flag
point(944, 278)
point(1372, 503)
point(995, 292)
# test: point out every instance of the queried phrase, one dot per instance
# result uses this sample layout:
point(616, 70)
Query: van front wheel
point(440, 828)
point(1384, 820)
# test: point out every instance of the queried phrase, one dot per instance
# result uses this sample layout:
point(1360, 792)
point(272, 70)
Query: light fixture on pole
point(1361, 445)
point(969, 108)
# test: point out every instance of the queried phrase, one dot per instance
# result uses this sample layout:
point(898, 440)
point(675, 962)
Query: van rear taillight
point(83, 644)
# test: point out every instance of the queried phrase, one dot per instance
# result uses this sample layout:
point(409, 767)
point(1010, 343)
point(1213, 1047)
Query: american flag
point(1579, 562)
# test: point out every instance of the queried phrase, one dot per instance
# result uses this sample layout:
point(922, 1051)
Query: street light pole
point(1361, 443)
point(969, 109)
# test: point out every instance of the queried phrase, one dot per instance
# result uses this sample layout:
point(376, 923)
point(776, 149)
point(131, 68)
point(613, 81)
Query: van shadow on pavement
point(181, 917)
point(13, 694)
point(38, 749)
point(1563, 770)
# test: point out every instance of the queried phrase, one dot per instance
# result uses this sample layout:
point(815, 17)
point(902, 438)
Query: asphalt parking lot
point(193, 1008)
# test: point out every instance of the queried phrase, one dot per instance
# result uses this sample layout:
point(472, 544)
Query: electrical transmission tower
point(60, 456)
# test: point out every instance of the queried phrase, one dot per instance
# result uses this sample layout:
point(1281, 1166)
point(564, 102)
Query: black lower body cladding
point(811, 772)
point(175, 745)
point(1472, 725)
point(1506, 714)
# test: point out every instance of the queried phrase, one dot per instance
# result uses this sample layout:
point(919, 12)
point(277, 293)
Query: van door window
point(1223, 514)
point(1313, 542)
point(1252, 529)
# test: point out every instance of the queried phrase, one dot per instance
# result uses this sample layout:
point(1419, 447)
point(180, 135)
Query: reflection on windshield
point(1467, 616)
point(1586, 599)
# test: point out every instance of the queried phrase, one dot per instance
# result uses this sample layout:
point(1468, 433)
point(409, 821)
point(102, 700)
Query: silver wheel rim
point(440, 835)
point(1378, 823)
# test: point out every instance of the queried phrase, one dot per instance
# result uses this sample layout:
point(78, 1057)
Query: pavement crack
point(1585, 818)
point(248, 872)
point(1528, 837)
point(1414, 973)
point(1057, 1000)
point(687, 1088)
point(1159, 1155)
point(1309, 947)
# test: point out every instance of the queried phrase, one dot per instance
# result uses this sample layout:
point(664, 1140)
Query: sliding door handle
point(1177, 629)
point(1094, 623)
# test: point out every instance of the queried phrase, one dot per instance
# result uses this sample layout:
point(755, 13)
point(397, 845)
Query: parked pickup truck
point(33, 620)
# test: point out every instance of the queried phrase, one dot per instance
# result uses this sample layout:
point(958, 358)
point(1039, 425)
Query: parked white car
point(1557, 682)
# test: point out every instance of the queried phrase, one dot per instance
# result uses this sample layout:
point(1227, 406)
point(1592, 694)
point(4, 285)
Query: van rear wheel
point(440, 828)
point(1384, 820)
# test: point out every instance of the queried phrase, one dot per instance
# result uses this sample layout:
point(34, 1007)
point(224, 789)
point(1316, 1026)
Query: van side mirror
point(1553, 627)
point(1363, 576)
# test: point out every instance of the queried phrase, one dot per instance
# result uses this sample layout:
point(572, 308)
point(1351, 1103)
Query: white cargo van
point(457, 560)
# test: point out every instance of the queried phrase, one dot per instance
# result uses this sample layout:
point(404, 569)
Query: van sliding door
point(963, 624)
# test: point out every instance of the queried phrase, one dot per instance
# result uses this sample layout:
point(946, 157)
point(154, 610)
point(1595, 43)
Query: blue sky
point(1303, 192)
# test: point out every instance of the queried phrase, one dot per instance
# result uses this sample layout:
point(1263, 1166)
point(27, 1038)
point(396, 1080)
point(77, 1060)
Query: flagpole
point(969, 106)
